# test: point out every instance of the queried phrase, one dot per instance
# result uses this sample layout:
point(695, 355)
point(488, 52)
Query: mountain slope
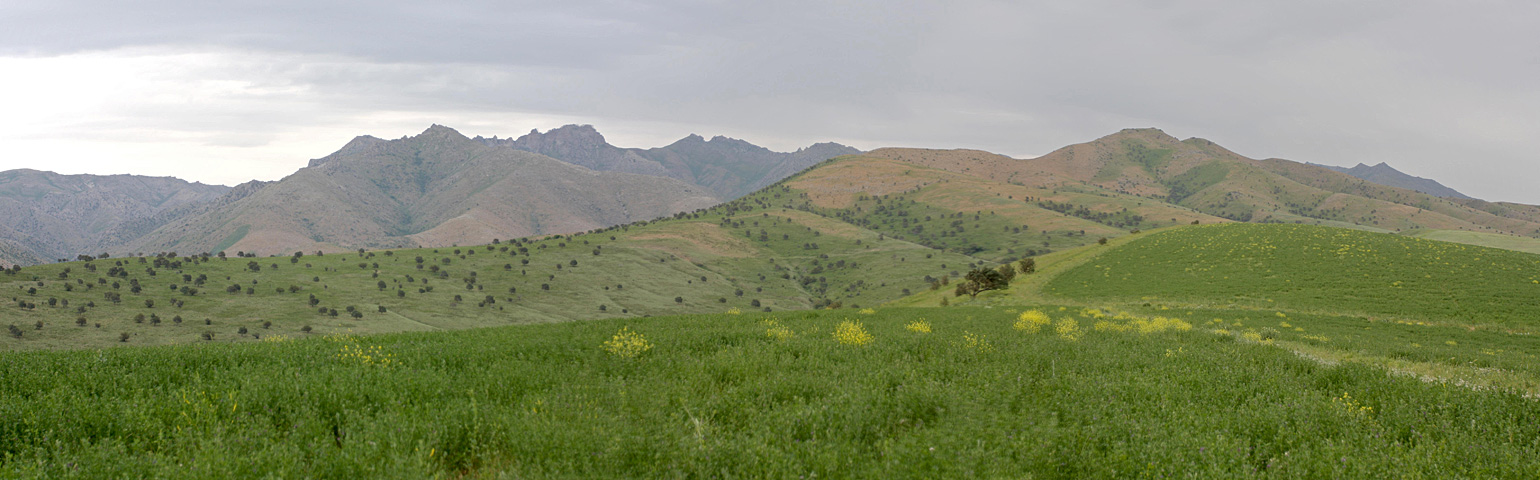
point(435, 189)
point(1384, 174)
point(50, 216)
point(730, 167)
point(1204, 176)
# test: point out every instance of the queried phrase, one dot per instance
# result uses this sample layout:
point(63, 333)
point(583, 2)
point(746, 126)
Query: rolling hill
point(750, 254)
point(1312, 268)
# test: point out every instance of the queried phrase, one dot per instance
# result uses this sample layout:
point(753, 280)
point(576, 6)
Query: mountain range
point(49, 216)
point(730, 167)
point(438, 188)
point(1384, 174)
point(441, 188)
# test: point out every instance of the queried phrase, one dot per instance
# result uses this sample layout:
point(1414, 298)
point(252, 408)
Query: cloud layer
point(224, 94)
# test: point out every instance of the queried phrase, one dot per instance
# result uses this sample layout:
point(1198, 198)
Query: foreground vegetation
point(1226, 351)
point(1055, 393)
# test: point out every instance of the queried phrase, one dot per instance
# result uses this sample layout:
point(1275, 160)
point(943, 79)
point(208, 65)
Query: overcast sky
point(224, 92)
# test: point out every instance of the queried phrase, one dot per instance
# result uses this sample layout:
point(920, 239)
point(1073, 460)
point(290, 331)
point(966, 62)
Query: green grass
point(1494, 240)
point(718, 397)
point(1314, 269)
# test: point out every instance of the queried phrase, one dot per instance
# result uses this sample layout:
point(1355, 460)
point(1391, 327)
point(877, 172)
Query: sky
point(226, 92)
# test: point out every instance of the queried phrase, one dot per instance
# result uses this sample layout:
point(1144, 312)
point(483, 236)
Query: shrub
point(1031, 321)
point(627, 344)
point(851, 333)
point(918, 326)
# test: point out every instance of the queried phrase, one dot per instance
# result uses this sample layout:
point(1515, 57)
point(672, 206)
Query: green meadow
point(976, 392)
point(1211, 351)
point(1312, 268)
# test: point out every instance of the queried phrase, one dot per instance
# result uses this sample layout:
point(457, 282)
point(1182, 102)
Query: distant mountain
point(1384, 174)
point(1145, 172)
point(48, 216)
point(730, 167)
point(438, 188)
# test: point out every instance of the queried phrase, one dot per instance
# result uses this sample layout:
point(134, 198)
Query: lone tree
point(1027, 266)
point(980, 280)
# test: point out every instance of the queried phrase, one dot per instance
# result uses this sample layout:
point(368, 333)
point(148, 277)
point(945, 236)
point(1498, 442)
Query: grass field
point(777, 395)
point(1314, 269)
point(1494, 240)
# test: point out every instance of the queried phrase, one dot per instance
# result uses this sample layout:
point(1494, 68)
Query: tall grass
point(715, 396)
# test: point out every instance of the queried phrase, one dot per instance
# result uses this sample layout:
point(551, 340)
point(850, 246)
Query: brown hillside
point(435, 189)
point(48, 216)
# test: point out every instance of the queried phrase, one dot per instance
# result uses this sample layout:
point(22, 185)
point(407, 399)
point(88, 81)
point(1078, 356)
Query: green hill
point(748, 255)
point(1309, 268)
point(1494, 240)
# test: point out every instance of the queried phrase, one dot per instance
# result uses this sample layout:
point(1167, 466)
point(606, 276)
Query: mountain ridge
point(1384, 174)
point(437, 188)
point(50, 216)
point(728, 166)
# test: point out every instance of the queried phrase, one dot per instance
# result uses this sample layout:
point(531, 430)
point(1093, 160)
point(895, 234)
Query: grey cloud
point(1438, 89)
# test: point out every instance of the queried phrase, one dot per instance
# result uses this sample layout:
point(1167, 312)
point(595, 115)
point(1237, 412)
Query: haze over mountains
point(435, 189)
point(48, 216)
point(441, 188)
point(438, 188)
point(1384, 174)
point(730, 167)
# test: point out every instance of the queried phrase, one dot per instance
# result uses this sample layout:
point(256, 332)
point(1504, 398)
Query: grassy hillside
point(1309, 268)
point(1459, 313)
point(974, 213)
point(1494, 240)
point(756, 395)
point(812, 241)
point(748, 255)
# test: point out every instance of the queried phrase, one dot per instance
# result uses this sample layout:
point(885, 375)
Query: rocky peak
point(437, 131)
point(358, 144)
point(1150, 133)
point(566, 136)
